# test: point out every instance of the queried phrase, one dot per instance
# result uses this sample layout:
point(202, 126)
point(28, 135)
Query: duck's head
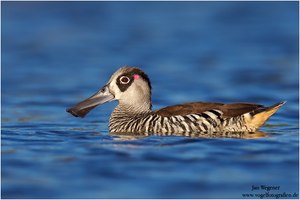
point(128, 85)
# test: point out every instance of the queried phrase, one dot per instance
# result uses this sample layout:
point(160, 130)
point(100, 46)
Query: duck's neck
point(132, 110)
point(125, 116)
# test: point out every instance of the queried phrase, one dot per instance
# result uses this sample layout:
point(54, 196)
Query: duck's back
point(228, 110)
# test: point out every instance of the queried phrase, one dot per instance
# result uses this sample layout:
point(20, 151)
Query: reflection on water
point(244, 135)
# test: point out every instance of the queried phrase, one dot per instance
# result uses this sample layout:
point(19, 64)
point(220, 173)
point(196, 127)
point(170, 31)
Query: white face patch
point(114, 89)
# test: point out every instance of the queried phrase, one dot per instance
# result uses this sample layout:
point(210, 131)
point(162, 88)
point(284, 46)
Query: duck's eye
point(124, 80)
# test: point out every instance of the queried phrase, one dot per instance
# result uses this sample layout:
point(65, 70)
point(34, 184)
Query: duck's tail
point(257, 118)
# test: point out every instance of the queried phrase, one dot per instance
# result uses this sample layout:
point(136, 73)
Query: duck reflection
point(243, 135)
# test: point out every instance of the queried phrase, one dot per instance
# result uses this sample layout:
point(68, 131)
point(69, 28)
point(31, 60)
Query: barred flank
point(209, 121)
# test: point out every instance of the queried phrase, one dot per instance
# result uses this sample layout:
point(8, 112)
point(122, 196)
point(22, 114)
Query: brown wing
point(229, 110)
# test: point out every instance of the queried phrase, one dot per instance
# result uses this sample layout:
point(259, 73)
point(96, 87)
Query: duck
point(131, 87)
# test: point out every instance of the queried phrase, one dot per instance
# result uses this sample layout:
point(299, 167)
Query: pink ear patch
point(136, 76)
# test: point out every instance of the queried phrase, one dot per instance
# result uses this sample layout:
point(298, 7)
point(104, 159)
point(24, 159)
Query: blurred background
point(55, 54)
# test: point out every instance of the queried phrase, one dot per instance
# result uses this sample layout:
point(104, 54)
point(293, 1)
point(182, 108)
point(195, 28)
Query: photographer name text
point(265, 187)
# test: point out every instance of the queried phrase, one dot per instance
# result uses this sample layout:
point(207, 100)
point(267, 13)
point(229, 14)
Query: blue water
point(55, 54)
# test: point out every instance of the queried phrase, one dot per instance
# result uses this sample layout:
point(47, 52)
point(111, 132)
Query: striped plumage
point(132, 88)
point(209, 121)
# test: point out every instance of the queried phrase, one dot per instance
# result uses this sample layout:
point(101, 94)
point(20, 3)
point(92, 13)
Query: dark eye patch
point(124, 81)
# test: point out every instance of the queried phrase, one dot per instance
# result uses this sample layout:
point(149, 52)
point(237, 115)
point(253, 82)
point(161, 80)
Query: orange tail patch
point(257, 118)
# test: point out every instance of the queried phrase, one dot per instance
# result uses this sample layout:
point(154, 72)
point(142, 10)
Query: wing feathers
point(229, 110)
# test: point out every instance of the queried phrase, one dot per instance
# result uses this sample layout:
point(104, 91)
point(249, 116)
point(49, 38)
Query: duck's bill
point(85, 106)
